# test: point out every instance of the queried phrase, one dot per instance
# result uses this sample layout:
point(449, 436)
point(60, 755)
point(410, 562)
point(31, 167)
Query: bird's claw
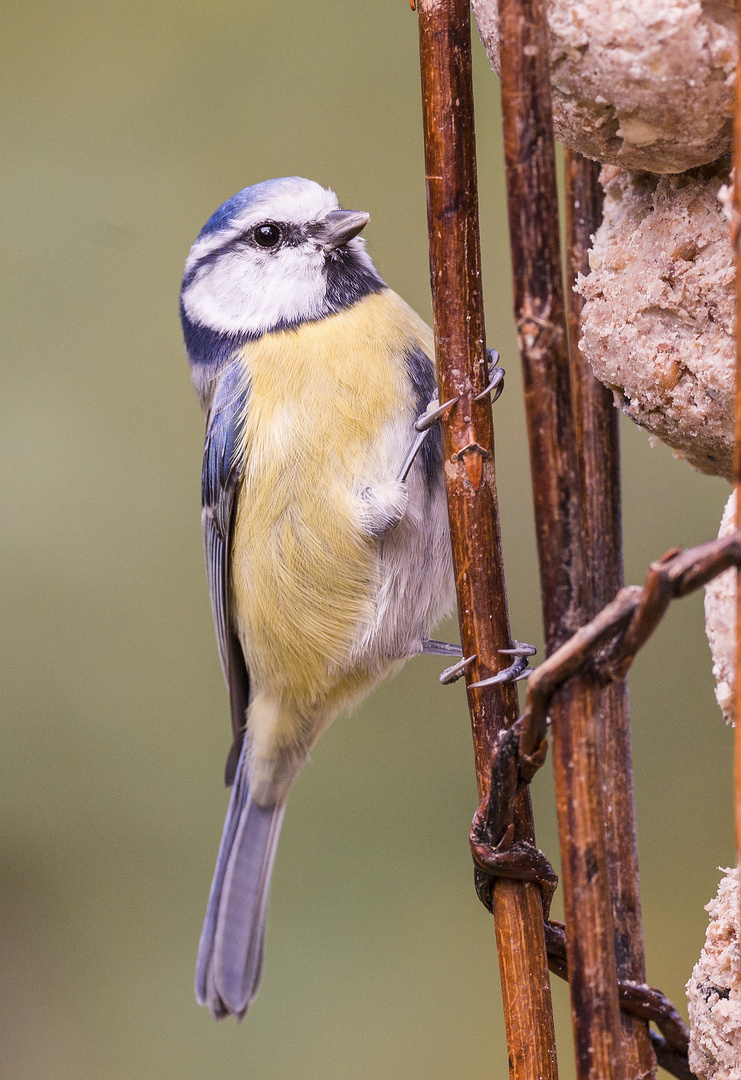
point(496, 377)
point(521, 649)
point(456, 671)
point(432, 413)
point(516, 671)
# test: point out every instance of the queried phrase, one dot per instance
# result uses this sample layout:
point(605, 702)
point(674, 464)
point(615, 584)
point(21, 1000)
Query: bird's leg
point(384, 505)
point(440, 648)
point(423, 425)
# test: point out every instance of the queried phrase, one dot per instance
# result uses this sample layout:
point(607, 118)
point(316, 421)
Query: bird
point(324, 513)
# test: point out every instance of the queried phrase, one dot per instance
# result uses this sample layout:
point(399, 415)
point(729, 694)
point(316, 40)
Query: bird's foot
point(435, 411)
point(457, 671)
point(516, 671)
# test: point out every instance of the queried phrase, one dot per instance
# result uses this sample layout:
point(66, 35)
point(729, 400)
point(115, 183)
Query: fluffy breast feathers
point(330, 414)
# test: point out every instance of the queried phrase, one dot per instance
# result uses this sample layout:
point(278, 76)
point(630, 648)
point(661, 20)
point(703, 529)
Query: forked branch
point(609, 643)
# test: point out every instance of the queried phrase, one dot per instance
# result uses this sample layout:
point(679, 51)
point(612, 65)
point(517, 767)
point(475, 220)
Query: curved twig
point(624, 625)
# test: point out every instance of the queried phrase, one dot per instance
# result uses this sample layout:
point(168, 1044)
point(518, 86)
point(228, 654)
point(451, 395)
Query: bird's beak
point(339, 226)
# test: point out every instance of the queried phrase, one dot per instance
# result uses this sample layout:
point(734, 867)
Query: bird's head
point(273, 256)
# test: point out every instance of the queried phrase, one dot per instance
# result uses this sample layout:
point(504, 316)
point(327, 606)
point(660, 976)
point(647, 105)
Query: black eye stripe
point(293, 235)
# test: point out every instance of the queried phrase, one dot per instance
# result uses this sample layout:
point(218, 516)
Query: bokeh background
point(123, 127)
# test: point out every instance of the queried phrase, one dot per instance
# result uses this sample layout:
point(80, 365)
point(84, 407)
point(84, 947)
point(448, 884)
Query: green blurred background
point(123, 128)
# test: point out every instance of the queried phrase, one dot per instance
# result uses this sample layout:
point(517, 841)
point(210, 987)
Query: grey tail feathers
point(230, 954)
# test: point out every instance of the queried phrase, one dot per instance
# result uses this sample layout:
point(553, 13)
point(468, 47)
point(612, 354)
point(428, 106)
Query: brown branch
point(452, 207)
point(650, 1004)
point(560, 526)
point(599, 453)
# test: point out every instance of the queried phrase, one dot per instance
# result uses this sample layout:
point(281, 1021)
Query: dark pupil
point(267, 235)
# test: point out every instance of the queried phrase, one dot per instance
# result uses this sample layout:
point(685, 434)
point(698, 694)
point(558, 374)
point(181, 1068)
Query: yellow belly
point(324, 403)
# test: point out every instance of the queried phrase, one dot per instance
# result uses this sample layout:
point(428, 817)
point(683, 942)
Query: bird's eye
point(267, 235)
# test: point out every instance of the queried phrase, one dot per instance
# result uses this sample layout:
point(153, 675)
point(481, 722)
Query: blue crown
point(249, 196)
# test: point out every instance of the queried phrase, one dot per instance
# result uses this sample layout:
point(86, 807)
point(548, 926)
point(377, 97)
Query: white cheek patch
point(246, 293)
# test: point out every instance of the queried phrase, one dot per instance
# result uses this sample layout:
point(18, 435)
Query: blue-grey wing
point(222, 471)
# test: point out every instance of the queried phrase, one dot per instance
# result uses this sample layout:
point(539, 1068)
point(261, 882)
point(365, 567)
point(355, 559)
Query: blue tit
point(327, 569)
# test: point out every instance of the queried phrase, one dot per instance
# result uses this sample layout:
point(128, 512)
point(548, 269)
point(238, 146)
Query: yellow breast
point(322, 401)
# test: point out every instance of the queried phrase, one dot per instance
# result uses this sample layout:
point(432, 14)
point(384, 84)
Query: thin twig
point(608, 644)
point(541, 322)
point(599, 453)
point(452, 204)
